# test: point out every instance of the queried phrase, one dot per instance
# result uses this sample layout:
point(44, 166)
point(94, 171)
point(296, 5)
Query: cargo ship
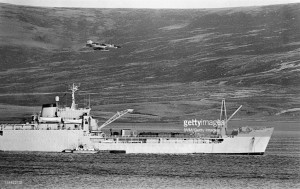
point(57, 129)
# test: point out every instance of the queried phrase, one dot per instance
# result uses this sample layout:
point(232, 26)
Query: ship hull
point(39, 140)
point(59, 140)
point(236, 145)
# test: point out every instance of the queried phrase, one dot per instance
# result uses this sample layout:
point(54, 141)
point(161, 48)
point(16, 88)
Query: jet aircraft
point(102, 47)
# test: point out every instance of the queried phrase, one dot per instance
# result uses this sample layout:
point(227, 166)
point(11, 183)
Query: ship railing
point(162, 136)
point(18, 126)
point(13, 126)
point(153, 136)
point(166, 136)
point(161, 140)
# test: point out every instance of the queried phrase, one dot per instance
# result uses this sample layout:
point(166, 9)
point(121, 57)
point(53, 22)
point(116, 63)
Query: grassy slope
point(174, 64)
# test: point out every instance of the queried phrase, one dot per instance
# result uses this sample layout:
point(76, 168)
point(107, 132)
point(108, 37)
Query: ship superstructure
point(57, 128)
point(57, 117)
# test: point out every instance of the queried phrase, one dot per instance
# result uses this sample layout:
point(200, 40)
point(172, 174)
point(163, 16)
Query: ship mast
point(223, 117)
point(223, 114)
point(73, 88)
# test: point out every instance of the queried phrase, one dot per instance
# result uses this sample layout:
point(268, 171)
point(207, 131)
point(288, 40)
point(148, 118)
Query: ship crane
point(234, 113)
point(223, 115)
point(115, 117)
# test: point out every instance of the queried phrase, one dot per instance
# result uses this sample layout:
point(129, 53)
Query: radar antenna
point(73, 88)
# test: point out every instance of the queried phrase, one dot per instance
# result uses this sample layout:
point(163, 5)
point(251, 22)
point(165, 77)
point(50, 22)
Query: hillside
point(173, 64)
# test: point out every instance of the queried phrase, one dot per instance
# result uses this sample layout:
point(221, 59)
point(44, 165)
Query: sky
point(156, 4)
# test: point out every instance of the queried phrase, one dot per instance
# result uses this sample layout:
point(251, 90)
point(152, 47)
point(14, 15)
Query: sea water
point(278, 168)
